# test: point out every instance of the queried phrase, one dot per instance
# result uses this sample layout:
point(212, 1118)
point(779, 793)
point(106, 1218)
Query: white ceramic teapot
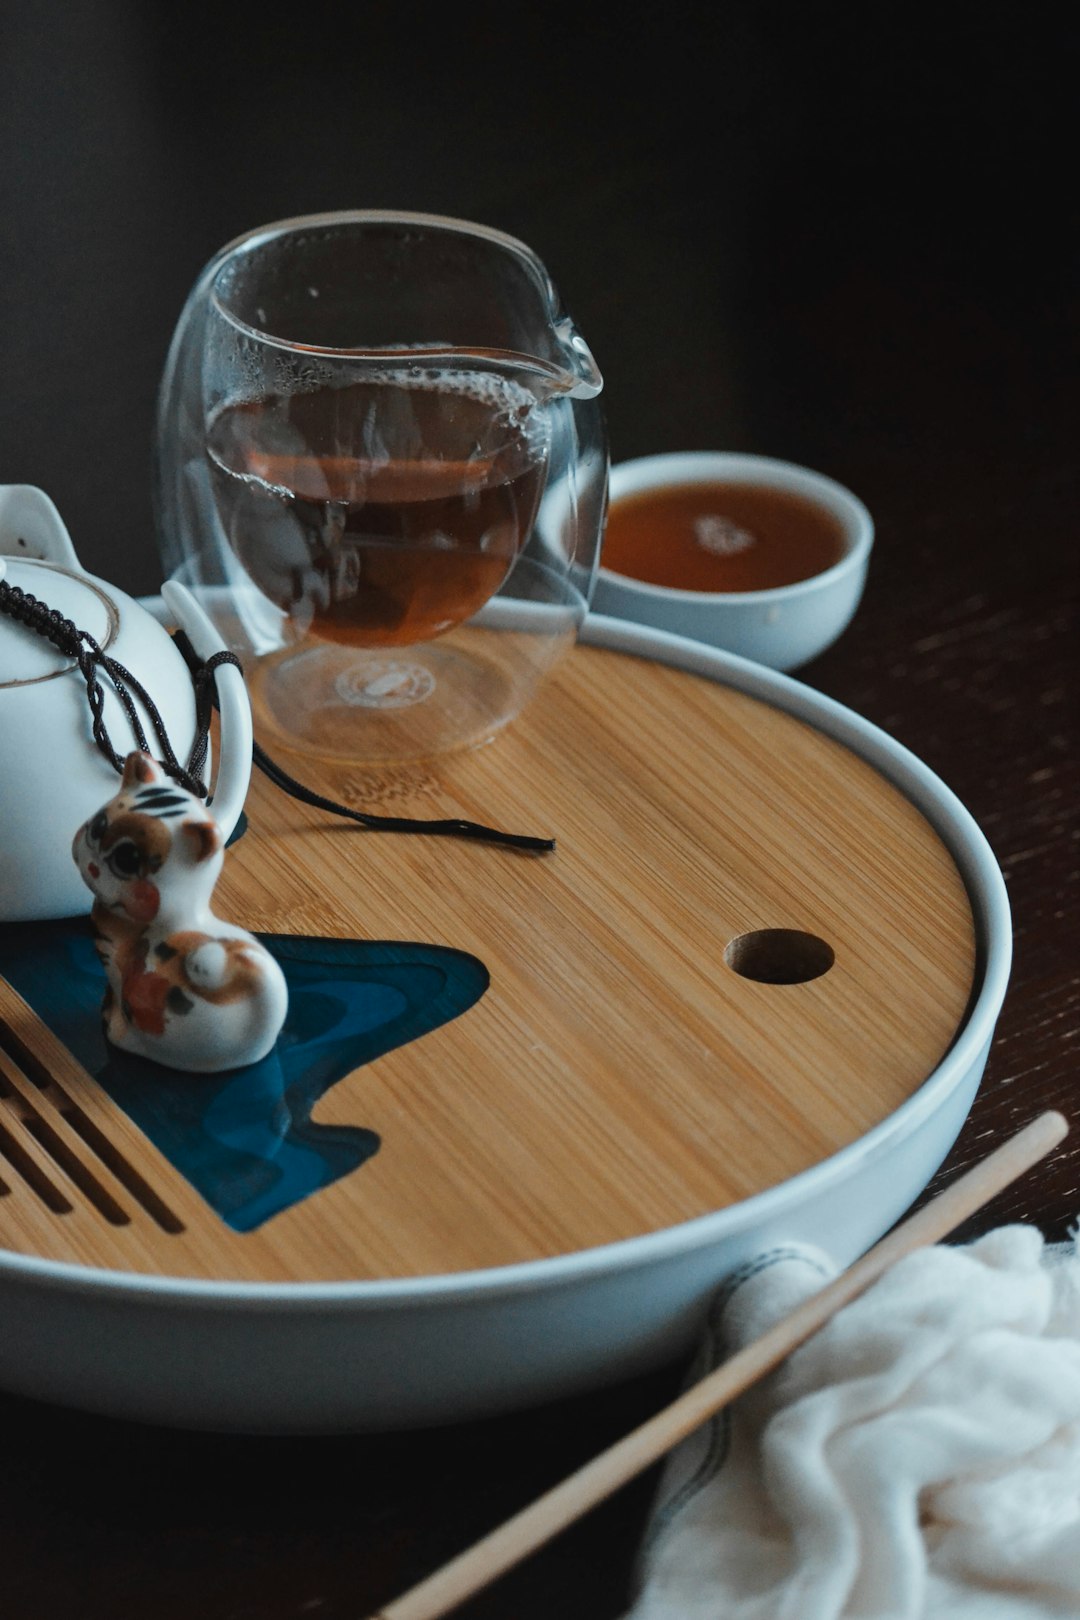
point(52, 773)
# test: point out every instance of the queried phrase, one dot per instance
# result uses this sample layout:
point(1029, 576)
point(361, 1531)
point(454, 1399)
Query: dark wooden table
point(825, 242)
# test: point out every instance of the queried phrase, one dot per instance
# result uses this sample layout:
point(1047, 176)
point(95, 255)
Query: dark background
point(835, 235)
point(752, 212)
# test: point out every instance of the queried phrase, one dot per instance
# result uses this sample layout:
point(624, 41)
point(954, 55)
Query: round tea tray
point(748, 999)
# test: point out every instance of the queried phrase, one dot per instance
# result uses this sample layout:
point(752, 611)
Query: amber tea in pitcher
point(385, 512)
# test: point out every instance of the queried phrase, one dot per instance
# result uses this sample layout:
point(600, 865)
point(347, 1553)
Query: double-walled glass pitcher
point(382, 470)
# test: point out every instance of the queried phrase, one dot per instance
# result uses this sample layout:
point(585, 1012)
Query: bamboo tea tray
point(747, 999)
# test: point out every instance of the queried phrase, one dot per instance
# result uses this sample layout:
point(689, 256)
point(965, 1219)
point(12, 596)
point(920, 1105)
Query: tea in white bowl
point(758, 556)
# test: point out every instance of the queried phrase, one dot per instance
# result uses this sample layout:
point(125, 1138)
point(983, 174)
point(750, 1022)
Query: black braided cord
point(91, 659)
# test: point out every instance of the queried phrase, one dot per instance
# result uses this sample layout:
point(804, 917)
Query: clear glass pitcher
point(381, 468)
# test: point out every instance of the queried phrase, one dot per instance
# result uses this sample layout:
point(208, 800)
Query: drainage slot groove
point(27, 1059)
point(31, 1172)
point(125, 1172)
point(82, 1175)
point(76, 1172)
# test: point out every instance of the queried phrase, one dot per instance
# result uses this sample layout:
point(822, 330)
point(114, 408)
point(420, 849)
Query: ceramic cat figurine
point(184, 988)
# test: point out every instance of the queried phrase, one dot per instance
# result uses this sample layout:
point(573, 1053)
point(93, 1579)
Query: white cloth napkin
point(918, 1459)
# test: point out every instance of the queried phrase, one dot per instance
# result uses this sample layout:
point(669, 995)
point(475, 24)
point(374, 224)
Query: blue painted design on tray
point(245, 1138)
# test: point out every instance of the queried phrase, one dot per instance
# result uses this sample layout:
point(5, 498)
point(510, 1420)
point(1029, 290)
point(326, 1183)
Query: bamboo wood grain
point(618, 1077)
point(551, 1513)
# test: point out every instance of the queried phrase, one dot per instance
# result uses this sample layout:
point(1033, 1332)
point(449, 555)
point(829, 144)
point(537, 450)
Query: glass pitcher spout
point(378, 283)
point(586, 380)
point(576, 377)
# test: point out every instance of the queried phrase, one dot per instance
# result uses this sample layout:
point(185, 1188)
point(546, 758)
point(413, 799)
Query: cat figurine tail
point(184, 988)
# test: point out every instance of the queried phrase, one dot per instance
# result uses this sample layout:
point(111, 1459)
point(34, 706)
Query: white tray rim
point(982, 876)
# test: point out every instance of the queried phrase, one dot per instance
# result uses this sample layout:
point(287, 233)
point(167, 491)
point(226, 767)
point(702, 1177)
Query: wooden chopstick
point(522, 1534)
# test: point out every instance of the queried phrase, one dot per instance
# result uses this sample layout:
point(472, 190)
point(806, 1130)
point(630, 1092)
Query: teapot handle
point(31, 527)
point(237, 736)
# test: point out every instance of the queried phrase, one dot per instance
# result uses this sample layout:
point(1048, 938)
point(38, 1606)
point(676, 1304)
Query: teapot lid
point(26, 656)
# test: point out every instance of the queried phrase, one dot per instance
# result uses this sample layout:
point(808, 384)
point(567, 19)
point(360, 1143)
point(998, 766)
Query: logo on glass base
point(384, 683)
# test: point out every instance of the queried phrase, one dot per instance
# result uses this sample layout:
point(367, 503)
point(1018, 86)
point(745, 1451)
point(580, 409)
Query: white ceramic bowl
point(782, 627)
